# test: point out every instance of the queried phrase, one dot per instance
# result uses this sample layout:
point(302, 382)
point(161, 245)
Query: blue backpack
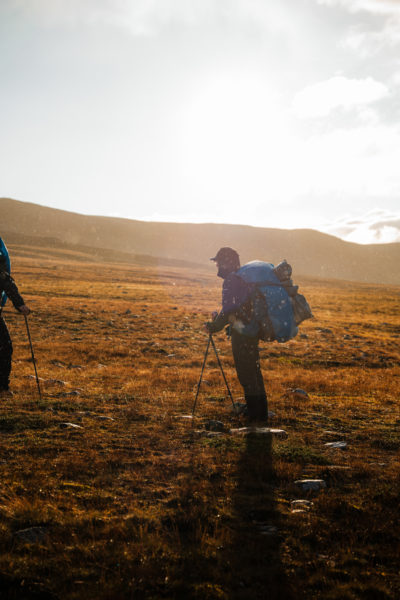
point(273, 315)
point(5, 259)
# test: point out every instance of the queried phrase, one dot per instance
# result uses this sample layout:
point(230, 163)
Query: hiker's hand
point(25, 310)
point(214, 315)
point(205, 328)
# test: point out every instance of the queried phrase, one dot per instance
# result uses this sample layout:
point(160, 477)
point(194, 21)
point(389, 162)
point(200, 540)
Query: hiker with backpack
point(237, 311)
point(8, 289)
point(259, 302)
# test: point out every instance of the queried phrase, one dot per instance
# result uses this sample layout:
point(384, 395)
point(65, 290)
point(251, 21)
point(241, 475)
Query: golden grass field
point(135, 504)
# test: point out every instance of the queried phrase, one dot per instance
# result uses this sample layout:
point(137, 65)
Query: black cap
point(226, 255)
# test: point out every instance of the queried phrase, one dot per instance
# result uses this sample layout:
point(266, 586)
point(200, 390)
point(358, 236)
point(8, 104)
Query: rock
point(279, 433)
point(341, 445)
point(72, 393)
point(214, 426)
point(268, 530)
point(296, 393)
point(184, 417)
point(104, 418)
point(70, 426)
point(32, 535)
point(55, 381)
point(311, 485)
point(208, 434)
point(301, 505)
point(271, 414)
point(239, 408)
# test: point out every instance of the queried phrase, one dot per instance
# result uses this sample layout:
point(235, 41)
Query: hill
point(310, 252)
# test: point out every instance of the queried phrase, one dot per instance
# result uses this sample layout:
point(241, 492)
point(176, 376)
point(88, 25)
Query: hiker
point(7, 286)
point(237, 308)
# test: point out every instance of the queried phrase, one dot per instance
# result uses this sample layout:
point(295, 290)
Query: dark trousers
point(5, 355)
point(247, 363)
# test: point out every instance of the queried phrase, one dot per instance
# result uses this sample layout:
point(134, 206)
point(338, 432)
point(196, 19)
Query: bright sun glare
point(236, 131)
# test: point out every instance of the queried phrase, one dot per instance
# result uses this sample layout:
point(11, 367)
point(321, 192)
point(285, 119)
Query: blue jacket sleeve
point(235, 292)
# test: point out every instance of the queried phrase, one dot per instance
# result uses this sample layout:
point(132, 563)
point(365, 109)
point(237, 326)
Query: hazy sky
point(278, 113)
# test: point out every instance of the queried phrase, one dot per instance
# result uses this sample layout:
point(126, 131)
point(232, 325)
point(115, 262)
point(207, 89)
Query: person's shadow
point(247, 565)
point(254, 554)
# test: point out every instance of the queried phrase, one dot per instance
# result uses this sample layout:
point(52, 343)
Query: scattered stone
point(304, 503)
point(296, 393)
point(301, 506)
point(57, 363)
point(208, 434)
point(184, 417)
point(268, 530)
point(271, 414)
point(72, 393)
point(347, 336)
point(55, 381)
point(341, 445)
point(70, 426)
point(104, 418)
point(239, 408)
point(214, 426)
point(32, 535)
point(303, 336)
point(279, 433)
point(311, 485)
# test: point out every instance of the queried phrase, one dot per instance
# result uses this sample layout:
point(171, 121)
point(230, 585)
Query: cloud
point(148, 17)
point(375, 227)
point(383, 7)
point(322, 98)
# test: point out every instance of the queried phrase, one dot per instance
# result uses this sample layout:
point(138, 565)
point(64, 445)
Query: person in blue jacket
point(8, 286)
point(237, 310)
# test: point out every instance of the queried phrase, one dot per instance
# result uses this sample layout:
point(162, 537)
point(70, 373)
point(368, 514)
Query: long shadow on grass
point(254, 554)
point(228, 525)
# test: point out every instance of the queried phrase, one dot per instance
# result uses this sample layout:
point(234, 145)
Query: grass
point(135, 504)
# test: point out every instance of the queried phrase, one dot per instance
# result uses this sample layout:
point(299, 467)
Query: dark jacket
point(8, 286)
point(236, 302)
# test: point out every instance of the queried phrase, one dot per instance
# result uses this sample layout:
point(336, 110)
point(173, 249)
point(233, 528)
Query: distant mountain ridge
point(310, 252)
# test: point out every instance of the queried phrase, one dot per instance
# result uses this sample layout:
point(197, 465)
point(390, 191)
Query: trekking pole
point(222, 371)
point(33, 356)
point(201, 374)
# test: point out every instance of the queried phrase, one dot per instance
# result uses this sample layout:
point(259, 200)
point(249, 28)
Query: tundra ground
point(134, 504)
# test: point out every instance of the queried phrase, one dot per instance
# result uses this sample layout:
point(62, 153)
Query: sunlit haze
point(279, 114)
